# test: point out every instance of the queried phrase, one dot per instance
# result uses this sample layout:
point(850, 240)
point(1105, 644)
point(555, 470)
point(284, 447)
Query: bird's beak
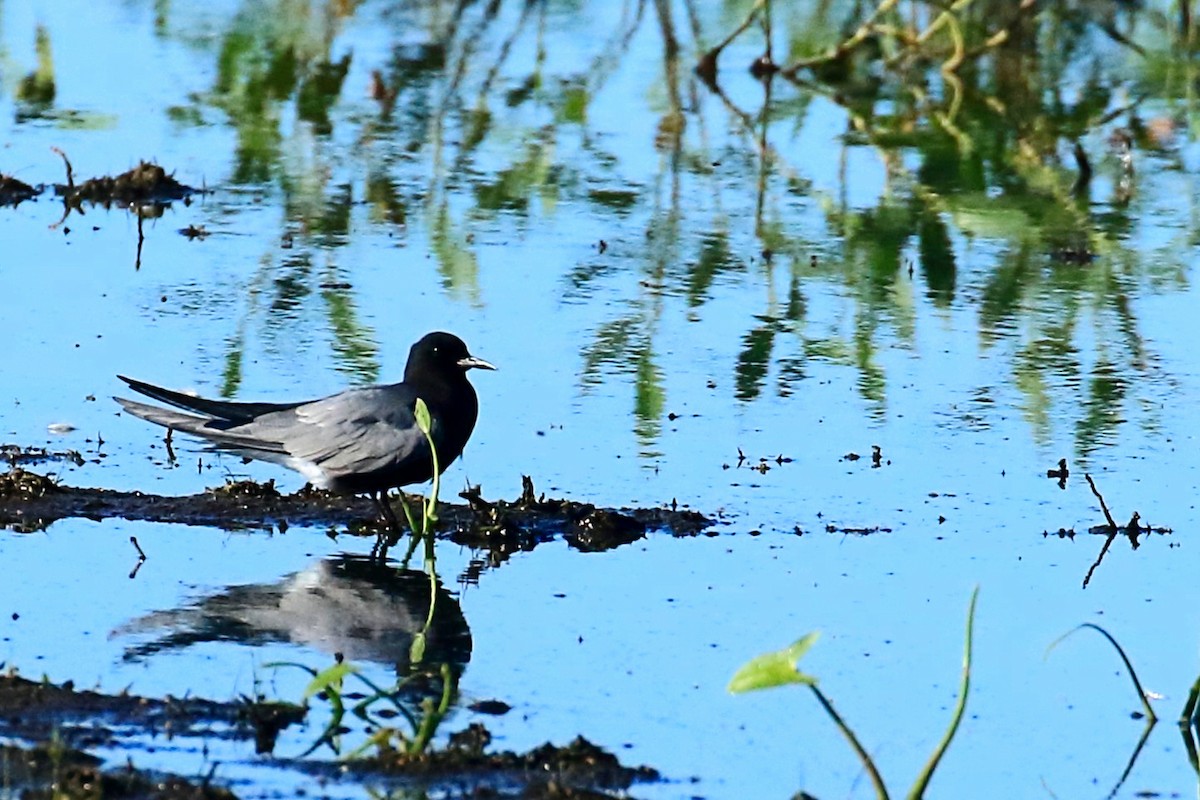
point(472, 362)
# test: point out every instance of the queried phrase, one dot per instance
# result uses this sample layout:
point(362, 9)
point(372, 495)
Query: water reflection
point(1006, 194)
point(965, 154)
point(37, 89)
point(364, 610)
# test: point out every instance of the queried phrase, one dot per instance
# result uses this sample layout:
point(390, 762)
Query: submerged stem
point(868, 764)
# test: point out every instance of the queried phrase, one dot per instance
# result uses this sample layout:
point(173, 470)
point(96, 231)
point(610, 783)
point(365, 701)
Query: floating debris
point(147, 184)
point(15, 454)
point(493, 707)
point(193, 232)
point(1060, 473)
point(14, 192)
point(853, 531)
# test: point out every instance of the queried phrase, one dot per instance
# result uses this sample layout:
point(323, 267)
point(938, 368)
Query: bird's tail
point(186, 423)
point(232, 412)
point(215, 431)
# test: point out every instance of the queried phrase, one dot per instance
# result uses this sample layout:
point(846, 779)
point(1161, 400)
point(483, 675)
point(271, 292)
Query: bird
point(359, 441)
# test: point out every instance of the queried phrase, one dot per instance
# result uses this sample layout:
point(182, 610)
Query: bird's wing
point(357, 431)
point(236, 413)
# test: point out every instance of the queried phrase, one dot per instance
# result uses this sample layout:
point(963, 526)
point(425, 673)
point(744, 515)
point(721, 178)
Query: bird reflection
point(362, 609)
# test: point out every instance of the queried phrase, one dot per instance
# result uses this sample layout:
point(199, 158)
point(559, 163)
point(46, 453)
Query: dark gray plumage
point(357, 441)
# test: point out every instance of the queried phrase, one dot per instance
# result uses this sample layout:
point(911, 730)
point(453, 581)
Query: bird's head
point(442, 353)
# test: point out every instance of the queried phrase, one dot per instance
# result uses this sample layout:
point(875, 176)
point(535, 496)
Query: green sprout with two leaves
point(781, 668)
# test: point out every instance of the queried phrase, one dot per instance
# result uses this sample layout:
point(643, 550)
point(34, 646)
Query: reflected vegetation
point(1006, 168)
point(983, 169)
point(37, 90)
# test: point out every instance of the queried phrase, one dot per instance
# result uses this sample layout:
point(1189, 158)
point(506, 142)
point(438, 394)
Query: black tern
point(360, 441)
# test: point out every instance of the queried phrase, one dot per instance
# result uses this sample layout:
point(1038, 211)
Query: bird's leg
point(379, 545)
point(392, 534)
point(390, 517)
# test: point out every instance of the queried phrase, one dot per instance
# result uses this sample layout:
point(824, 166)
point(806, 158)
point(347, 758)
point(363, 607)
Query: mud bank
point(61, 724)
point(30, 501)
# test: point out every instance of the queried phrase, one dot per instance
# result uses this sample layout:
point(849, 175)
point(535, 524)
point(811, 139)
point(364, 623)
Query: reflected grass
point(971, 113)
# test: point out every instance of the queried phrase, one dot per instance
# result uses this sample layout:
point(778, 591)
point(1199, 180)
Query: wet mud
point(145, 188)
point(16, 455)
point(36, 710)
point(61, 724)
point(48, 771)
point(146, 184)
point(30, 502)
point(579, 769)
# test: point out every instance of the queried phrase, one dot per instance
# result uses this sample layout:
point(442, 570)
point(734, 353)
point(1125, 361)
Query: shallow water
point(631, 372)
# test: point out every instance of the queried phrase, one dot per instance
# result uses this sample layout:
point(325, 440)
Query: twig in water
point(1111, 524)
point(141, 557)
point(1107, 542)
point(1103, 507)
point(70, 172)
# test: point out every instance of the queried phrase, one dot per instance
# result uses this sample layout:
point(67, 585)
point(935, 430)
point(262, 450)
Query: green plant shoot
point(774, 669)
point(425, 424)
point(329, 678)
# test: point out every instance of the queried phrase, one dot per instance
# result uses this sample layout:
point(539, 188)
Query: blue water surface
point(594, 223)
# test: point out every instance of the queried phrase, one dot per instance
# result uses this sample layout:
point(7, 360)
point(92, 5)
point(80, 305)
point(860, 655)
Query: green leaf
point(574, 105)
point(774, 669)
point(422, 414)
point(329, 678)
